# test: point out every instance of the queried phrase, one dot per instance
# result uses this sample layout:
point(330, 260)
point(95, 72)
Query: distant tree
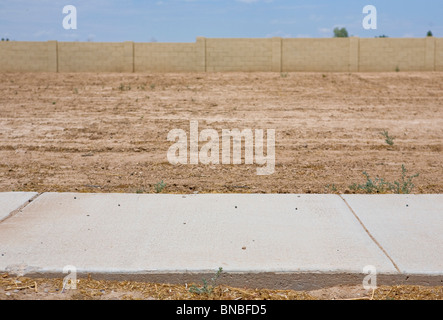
point(382, 36)
point(3, 39)
point(341, 33)
point(429, 33)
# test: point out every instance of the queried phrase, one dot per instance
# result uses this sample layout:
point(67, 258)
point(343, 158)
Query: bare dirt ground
point(22, 288)
point(108, 133)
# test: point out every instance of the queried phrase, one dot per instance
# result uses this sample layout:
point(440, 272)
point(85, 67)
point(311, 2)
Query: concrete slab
point(10, 201)
point(143, 234)
point(408, 227)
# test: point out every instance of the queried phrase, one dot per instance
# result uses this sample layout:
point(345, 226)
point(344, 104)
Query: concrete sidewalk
point(260, 240)
point(11, 201)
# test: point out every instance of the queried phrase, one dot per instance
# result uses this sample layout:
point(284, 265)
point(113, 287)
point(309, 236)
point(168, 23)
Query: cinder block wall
point(387, 54)
point(316, 55)
point(222, 55)
point(238, 55)
point(438, 54)
point(28, 56)
point(95, 57)
point(170, 57)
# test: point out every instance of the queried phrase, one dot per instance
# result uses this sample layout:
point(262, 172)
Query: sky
point(185, 20)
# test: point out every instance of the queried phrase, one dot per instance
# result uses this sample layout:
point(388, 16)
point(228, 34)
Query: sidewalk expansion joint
point(21, 208)
point(370, 235)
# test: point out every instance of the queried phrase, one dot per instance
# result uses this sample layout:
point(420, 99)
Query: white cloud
point(279, 33)
point(325, 30)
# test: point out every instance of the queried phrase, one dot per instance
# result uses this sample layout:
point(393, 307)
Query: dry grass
point(23, 288)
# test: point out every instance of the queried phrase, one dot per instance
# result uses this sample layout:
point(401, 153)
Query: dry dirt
point(108, 132)
point(22, 288)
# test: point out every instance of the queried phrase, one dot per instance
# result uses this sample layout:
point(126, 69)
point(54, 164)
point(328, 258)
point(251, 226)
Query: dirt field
point(108, 132)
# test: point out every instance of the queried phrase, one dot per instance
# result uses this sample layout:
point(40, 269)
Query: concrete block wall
point(321, 55)
point(170, 57)
point(439, 54)
point(224, 55)
point(95, 57)
point(239, 55)
point(380, 54)
point(28, 56)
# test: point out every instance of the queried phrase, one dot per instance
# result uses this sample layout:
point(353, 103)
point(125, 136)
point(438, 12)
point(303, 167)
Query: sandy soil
point(108, 132)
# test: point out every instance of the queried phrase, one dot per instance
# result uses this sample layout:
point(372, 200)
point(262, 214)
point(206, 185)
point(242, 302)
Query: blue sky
point(184, 20)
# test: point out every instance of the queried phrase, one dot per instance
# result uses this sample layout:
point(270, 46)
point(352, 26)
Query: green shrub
point(378, 185)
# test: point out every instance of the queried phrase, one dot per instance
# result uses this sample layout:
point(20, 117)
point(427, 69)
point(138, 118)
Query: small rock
point(243, 248)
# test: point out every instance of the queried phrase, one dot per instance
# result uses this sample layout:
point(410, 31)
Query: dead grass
point(23, 288)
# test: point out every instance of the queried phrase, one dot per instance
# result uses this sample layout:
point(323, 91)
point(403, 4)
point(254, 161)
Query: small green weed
point(371, 186)
point(379, 185)
point(404, 186)
point(388, 139)
point(159, 186)
point(331, 187)
point(207, 288)
point(123, 87)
